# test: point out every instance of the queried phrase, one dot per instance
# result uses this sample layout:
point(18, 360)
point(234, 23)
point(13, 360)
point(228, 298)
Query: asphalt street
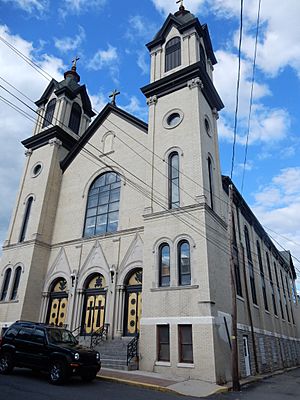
point(24, 385)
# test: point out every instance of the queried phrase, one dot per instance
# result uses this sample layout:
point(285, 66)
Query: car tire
point(6, 363)
point(89, 377)
point(57, 372)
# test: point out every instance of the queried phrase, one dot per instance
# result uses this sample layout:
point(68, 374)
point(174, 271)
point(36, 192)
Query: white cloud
point(77, 7)
point(98, 101)
point(142, 63)
point(35, 8)
point(134, 107)
point(277, 205)
point(69, 44)
point(169, 6)
point(13, 126)
point(279, 32)
point(106, 59)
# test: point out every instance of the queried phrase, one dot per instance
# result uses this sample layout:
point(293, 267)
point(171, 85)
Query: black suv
point(47, 348)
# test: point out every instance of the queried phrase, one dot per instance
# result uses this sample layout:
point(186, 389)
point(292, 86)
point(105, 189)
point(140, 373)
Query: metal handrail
point(132, 348)
point(99, 335)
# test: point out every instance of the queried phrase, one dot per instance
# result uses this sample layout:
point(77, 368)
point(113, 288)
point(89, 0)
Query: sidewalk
point(155, 381)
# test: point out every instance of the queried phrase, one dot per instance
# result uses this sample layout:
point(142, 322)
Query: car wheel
point(89, 377)
point(57, 372)
point(6, 363)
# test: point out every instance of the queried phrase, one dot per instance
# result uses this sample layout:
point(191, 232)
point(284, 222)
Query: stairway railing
point(99, 335)
point(80, 330)
point(132, 349)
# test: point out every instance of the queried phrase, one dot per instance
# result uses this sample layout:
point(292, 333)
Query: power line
point(251, 93)
point(237, 90)
point(114, 161)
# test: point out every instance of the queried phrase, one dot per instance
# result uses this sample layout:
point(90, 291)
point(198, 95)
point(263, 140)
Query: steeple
point(72, 74)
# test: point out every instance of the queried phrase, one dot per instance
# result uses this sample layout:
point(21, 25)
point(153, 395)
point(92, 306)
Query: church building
point(121, 227)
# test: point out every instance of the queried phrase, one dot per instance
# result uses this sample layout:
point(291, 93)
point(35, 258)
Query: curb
point(135, 383)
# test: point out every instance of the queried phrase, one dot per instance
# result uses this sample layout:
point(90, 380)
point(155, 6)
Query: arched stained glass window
point(15, 287)
point(5, 284)
point(49, 113)
point(75, 118)
point(184, 263)
point(102, 213)
point(164, 265)
point(25, 219)
point(173, 54)
point(174, 200)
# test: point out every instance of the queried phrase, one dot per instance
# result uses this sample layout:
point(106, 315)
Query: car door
point(39, 349)
point(24, 351)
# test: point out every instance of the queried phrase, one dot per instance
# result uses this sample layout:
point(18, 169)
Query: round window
point(172, 119)
point(36, 170)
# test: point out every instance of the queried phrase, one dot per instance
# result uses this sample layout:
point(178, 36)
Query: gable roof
point(184, 20)
point(108, 109)
point(71, 89)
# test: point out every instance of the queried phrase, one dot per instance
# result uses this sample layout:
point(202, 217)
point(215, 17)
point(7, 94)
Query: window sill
point(255, 306)
point(9, 301)
point(267, 312)
point(168, 288)
point(162, 363)
point(185, 365)
point(240, 298)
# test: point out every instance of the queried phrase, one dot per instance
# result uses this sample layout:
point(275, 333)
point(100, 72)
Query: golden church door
point(133, 303)
point(94, 304)
point(58, 303)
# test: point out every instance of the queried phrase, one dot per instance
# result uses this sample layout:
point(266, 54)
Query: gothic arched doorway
point(133, 303)
point(94, 304)
point(58, 302)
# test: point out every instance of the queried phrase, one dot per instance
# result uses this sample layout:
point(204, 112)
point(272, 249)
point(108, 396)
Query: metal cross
point(181, 3)
point(75, 61)
point(113, 96)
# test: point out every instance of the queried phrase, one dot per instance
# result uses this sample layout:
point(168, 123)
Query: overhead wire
point(145, 193)
point(251, 94)
point(237, 89)
point(89, 144)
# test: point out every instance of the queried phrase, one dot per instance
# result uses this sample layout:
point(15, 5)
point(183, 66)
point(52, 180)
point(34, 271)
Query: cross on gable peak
point(113, 96)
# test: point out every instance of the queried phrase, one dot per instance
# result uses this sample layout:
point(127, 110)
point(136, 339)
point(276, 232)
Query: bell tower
point(183, 109)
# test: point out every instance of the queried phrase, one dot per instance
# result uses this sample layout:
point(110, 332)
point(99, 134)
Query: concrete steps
point(113, 353)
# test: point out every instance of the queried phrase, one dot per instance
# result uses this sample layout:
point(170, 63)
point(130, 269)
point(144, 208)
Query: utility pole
point(234, 346)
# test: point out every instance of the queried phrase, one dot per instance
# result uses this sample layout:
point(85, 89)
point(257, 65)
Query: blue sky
point(109, 36)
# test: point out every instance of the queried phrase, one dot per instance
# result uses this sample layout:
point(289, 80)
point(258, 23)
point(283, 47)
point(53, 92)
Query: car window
point(11, 333)
point(38, 336)
point(60, 336)
point(25, 333)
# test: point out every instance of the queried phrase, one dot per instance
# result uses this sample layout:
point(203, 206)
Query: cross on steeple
point(74, 62)
point(113, 96)
point(181, 7)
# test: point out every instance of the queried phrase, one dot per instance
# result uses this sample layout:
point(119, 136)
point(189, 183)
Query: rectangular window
point(163, 341)
point(185, 336)
point(252, 283)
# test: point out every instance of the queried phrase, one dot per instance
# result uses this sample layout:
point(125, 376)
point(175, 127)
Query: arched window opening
point(75, 118)
point(174, 180)
point(202, 57)
point(5, 284)
point(49, 113)
point(25, 219)
point(262, 276)
point(102, 214)
point(211, 183)
point(164, 265)
point(184, 263)
point(173, 54)
point(250, 265)
point(58, 301)
point(236, 263)
point(15, 287)
point(94, 304)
